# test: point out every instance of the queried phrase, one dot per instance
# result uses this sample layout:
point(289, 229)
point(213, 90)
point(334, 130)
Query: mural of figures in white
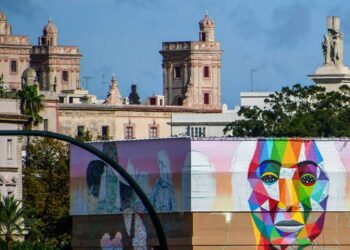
point(135, 227)
point(103, 183)
point(163, 195)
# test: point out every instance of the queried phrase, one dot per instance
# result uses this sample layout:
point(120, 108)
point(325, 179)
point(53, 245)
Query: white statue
point(332, 45)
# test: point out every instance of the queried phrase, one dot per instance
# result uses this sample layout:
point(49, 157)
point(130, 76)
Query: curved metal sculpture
point(143, 197)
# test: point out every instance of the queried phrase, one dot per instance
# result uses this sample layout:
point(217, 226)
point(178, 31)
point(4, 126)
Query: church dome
point(29, 73)
point(2, 16)
point(206, 22)
point(50, 27)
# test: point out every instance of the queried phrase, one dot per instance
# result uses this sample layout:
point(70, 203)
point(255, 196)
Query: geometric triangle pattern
point(289, 193)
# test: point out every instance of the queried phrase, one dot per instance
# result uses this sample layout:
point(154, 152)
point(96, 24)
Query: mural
point(287, 186)
point(163, 196)
point(288, 182)
point(97, 189)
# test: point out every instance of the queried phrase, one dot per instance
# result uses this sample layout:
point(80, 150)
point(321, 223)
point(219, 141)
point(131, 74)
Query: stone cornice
point(9, 169)
point(136, 108)
point(13, 118)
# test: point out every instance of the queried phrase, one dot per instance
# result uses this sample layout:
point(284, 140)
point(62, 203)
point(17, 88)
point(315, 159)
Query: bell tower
point(206, 29)
point(57, 67)
point(192, 70)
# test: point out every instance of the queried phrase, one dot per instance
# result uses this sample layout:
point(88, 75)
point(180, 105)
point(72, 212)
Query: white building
point(10, 148)
point(254, 98)
point(202, 124)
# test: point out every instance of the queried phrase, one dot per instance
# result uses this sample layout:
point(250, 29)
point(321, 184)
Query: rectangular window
point(46, 124)
point(203, 37)
point(206, 98)
point(65, 76)
point(177, 72)
point(61, 99)
point(129, 132)
point(161, 102)
point(70, 99)
point(105, 132)
point(206, 72)
point(13, 66)
point(153, 133)
point(80, 130)
point(153, 101)
point(196, 131)
point(9, 148)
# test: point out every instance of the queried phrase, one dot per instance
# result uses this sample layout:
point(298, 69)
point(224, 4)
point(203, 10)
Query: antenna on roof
point(87, 78)
point(251, 79)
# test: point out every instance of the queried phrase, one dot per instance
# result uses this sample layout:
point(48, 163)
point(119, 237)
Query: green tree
point(307, 111)
point(31, 104)
point(46, 189)
point(12, 215)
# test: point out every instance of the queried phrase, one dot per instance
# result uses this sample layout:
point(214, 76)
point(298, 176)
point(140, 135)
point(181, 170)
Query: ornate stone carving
point(332, 45)
point(187, 92)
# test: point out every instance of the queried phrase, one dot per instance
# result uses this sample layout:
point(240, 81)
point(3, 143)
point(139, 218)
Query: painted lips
point(289, 226)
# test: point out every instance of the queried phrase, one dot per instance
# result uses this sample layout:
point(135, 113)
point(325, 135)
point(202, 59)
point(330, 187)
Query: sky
point(279, 39)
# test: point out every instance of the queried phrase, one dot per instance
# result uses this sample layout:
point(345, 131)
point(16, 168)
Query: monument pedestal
point(331, 76)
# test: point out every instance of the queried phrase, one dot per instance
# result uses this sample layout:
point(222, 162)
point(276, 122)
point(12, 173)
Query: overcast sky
point(280, 38)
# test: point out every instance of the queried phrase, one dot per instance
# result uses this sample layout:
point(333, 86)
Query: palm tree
point(31, 104)
point(12, 215)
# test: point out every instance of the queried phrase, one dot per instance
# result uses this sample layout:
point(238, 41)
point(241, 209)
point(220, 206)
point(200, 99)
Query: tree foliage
point(46, 189)
point(12, 215)
point(307, 111)
point(31, 104)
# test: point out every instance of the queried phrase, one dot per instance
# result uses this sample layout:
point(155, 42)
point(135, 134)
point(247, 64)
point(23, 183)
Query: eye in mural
point(289, 193)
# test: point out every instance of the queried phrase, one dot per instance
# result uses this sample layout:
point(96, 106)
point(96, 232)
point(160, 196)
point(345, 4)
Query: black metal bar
point(156, 222)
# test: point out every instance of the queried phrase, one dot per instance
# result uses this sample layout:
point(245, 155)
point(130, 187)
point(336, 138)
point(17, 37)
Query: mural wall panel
point(285, 187)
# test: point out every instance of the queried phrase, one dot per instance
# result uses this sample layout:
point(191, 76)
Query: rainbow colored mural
point(286, 185)
point(288, 182)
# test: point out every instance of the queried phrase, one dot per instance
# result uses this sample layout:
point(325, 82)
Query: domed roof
point(206, 22)
point(50, 27)
point(29, 73)
point(2, 16)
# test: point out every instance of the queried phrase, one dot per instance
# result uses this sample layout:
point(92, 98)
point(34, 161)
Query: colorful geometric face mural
point(286, 185)
point(288, 182)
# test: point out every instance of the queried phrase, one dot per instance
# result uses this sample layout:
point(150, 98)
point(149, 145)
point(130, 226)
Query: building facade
point(118, 122)
point(57, 67)
point(14, 54)
point(11, 148)
point(202, 124)
point(192, 70)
